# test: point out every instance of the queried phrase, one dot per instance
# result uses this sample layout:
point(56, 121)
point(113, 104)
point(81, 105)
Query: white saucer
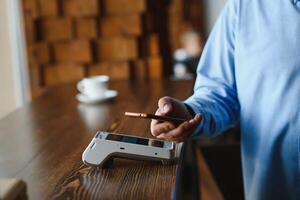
point(109, 94)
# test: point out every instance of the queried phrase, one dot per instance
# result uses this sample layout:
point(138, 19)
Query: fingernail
point(166, 108)
point(198, 117)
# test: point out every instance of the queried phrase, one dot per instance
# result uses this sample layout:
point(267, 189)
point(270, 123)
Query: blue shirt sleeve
point(215, 94)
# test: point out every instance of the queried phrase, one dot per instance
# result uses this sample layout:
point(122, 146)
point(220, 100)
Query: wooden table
point(42, 144)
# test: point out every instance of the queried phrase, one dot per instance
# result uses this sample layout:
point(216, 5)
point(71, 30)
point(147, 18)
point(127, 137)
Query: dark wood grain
point(43, 141)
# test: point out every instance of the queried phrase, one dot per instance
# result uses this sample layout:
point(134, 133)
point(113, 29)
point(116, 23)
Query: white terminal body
point(106, 146)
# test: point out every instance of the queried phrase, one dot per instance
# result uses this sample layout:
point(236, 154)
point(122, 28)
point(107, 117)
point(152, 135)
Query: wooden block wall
point(70, 39)
point(141, 69)
point(124, 25)
point(184, 16)
point(56, 29)
point(75, 51)
point(117, 70)
point(63, 73)
point(81, 8)
point(49, 8)
point(121, 7)
point(86, 28)
point(117, 49)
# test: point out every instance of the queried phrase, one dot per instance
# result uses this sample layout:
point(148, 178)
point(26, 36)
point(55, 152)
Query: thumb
point(165, 105)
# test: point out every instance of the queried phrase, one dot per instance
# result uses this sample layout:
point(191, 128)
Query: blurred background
point(49, 42)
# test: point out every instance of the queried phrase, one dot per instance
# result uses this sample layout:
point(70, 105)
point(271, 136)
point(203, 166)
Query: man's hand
point(168, 106)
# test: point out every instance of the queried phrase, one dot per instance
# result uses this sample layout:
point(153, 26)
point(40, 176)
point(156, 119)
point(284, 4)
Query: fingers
point(165, 105)
point(153, 121)
point(168, 130)
point(175, 133)
point(183, 131)
point(164, 108)
point(176, 140)
point(197, 119)
point(159, 128)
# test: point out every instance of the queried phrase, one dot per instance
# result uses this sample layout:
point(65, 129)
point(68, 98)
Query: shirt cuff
point(194, 109)
point(189, 108)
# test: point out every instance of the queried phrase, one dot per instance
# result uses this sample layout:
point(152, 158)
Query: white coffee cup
point(94, 86)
